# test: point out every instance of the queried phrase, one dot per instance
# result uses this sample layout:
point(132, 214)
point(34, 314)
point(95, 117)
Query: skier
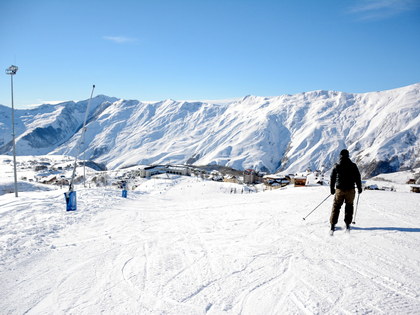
point(343, 177)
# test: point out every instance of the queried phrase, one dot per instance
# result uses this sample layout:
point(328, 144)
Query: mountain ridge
point(288, 133)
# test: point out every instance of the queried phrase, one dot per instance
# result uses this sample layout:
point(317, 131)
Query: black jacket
point(345, 174)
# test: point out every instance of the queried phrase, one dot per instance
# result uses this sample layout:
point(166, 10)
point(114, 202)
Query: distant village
point(225, 174)
point(45, 171)
point(53, 172)
point(48, 171)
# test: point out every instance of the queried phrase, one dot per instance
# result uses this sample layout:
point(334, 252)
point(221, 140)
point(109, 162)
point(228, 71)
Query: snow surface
point(181, 245)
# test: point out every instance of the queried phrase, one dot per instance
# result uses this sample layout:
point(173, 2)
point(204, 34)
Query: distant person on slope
point(343, 177)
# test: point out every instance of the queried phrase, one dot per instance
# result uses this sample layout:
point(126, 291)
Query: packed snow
point(184, 245)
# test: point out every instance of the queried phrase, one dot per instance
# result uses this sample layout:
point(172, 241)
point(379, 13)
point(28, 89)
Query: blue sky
point(156, 49)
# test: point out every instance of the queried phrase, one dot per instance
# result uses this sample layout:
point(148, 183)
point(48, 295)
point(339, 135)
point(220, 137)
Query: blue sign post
point(71, 204)
point(124, 189)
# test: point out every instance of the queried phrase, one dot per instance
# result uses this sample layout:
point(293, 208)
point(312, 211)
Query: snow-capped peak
point(288, 132)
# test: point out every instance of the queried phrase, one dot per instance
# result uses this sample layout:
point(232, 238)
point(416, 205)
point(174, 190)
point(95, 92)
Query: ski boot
point(332, 229)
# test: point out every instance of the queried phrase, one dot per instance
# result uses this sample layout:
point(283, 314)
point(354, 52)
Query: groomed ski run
point(186, 246)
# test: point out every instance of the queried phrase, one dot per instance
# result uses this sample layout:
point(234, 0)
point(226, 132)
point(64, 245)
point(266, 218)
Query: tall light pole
point(12, 71)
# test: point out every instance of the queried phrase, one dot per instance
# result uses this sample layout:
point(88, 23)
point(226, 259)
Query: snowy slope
point(184, 246)
point(41, 129)
point(288, 133)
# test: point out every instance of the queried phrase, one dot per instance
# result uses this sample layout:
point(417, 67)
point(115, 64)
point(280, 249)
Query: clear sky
point(205, 49)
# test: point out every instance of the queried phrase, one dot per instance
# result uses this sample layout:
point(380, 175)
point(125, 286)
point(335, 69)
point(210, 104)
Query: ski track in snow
point(188, 247)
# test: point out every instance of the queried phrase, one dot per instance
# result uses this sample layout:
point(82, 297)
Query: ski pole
point(317, 207)
point(355, 212)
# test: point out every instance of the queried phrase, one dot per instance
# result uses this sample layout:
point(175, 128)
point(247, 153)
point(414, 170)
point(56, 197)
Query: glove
point(332, 191)
point(359, 190)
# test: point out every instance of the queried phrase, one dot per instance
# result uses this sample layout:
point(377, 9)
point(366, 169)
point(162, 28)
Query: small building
point(149, 171)
point(164, 169)
point(275, 181)
point(62, 181)
point(178, 170)
point(40, 168)
point(215, 176)
point(388, 188)
point(300, 181)
point(48, 180)
point(415, 188)
point(231, 179)
point(250, 176)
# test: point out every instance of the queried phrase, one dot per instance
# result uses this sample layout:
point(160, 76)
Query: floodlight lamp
point(12, 70)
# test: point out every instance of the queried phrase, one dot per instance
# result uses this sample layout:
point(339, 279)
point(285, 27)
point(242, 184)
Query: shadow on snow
point(390, 228)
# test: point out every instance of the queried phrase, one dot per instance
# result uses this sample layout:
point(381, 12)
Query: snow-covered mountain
point(41, 129)
point(287, 133)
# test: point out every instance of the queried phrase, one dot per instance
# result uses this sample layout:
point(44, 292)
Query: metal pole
point(357, 204)
point(71, 187)
point(84, 170)
point(13, 136)
point(84, 163)
point(12, 71)
point(317, 206)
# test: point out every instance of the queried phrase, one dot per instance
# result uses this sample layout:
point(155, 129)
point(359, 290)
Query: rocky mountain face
point(287, 133)
point(41, 129)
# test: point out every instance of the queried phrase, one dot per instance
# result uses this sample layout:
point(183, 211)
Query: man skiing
point(343, 177)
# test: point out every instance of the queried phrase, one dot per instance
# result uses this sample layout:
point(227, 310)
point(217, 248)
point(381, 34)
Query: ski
point(347, 229)
point(331, 232)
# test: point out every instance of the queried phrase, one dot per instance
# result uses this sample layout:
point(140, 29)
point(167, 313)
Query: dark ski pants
point(340, 197)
